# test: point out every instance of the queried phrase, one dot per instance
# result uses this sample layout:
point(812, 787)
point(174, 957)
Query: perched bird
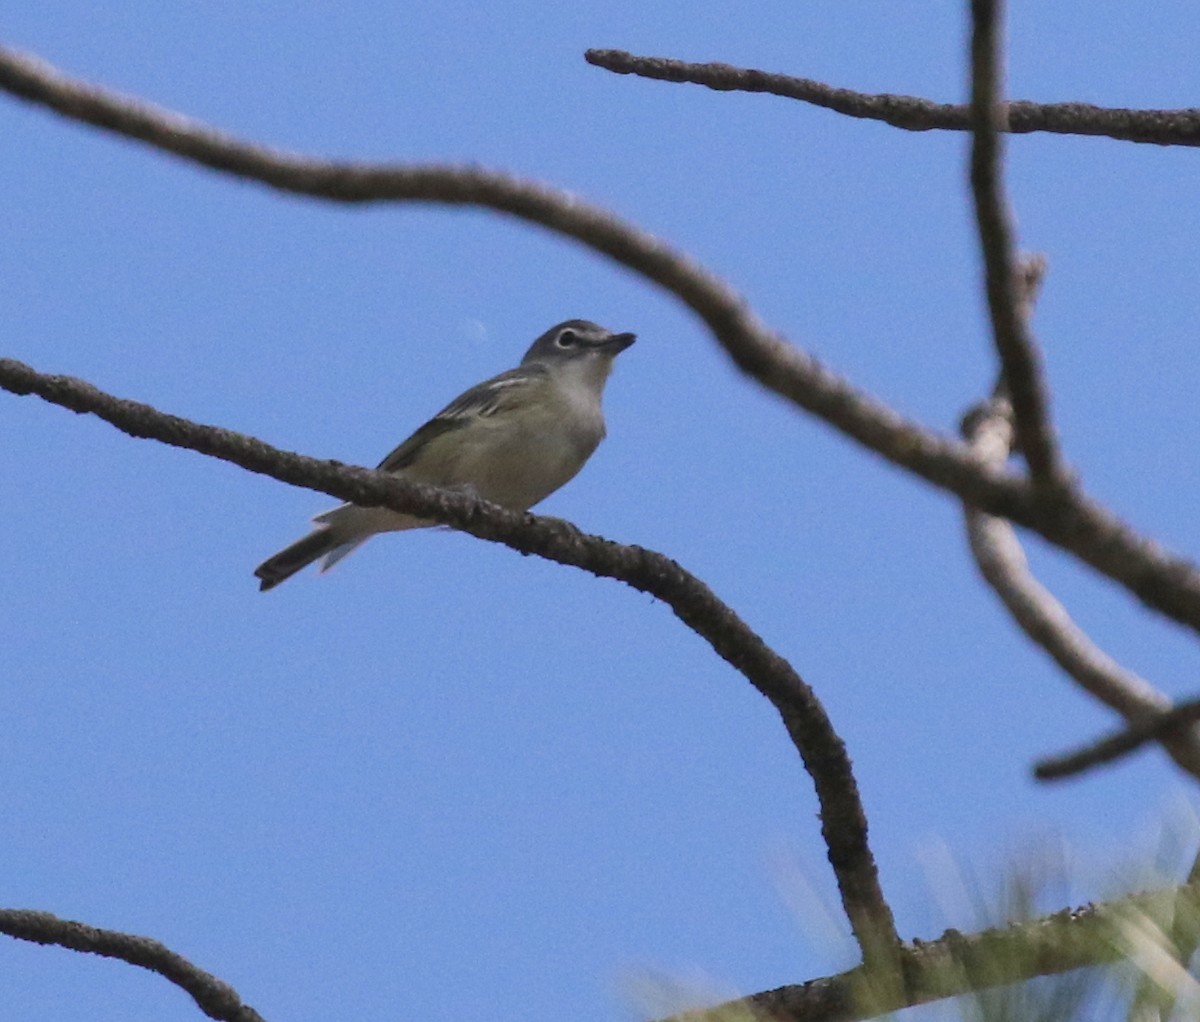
point(512, 440)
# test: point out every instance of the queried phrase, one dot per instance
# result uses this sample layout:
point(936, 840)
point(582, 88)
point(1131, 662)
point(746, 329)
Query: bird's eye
point(566, 339)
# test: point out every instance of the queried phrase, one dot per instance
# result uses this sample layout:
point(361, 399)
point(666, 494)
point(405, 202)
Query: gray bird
point(512, 440)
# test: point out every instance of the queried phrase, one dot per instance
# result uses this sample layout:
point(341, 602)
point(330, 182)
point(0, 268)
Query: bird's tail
point(338, 532)
point(322, 542)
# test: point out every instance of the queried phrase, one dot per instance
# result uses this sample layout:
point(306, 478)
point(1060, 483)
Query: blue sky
point(446, 781)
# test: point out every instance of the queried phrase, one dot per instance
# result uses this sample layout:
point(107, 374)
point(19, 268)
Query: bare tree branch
point(216, 998)
point(952, 965)
point(955, 964)
point(843, 822)
point(988, 428)
point(763, 354)
point(913, 113)
point(892, 976)
point(1018, 352)
point(1162, 580)
point(1166, 726)
point(1003, 564)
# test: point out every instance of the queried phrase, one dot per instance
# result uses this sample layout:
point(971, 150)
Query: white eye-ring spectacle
point(566, 339)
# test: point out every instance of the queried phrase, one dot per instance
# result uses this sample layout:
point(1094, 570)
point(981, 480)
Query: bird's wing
point(481, 401)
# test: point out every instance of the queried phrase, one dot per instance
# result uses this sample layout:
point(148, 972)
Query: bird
point(513, 440)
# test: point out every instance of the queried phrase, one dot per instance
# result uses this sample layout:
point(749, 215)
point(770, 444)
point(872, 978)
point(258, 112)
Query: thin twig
point(843, 821)
point(988, 428)
point(1162, 580)
point(997, 551)
point(216, 998)
point(914, 113)
point(1168, 724)
point(1002, 561)
point(1019, 356)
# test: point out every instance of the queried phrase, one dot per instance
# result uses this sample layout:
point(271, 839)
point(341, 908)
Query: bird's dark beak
point(614, 344)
